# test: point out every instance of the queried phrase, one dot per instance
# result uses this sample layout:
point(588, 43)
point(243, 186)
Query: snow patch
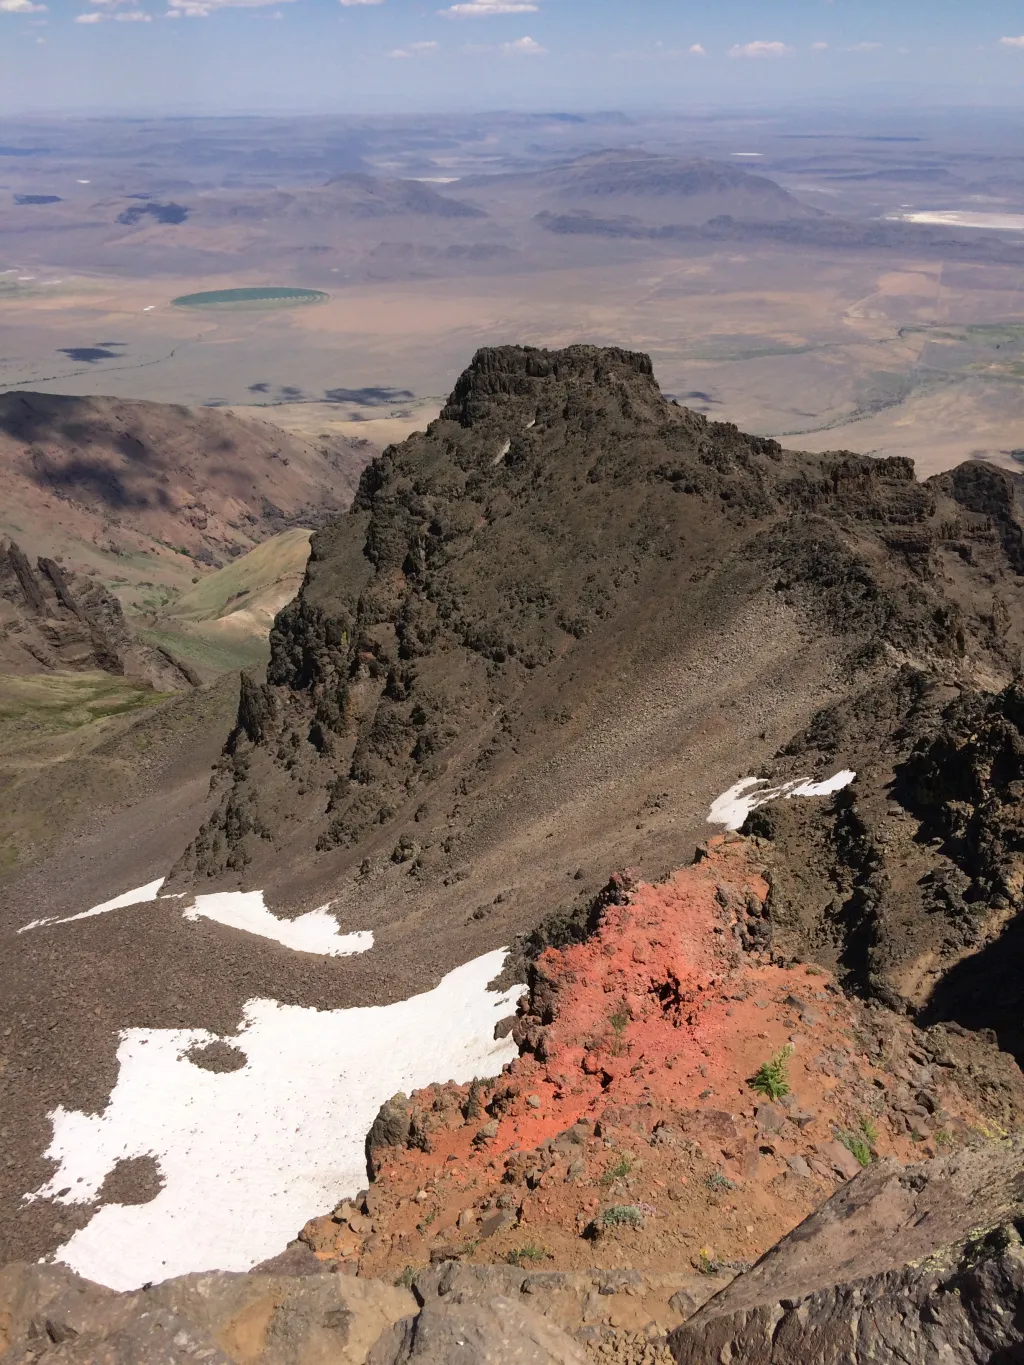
point(139, 896)
point(733, 806)
point(247, 1156)
point(503, 452)
point(315, 932)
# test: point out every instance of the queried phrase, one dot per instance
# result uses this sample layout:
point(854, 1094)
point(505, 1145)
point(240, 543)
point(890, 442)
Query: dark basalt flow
point(911, 883)
point(507, 583)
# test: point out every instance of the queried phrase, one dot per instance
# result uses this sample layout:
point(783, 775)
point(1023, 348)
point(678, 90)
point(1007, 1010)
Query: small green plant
point(526, 1255)
point(619, 1022)
point(717, 1181)
point(854, 1143)
point(406, 1278)
point(943, 1138)
point(772, 1077)
point(707, 1263)
point(623, 1215)
point(869, 1130)
point(619, 1171)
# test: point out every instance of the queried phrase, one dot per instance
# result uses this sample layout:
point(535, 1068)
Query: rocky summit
point(554, 626)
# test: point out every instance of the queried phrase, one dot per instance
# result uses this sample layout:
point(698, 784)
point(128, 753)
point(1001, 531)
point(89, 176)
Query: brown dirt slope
point(152, 495)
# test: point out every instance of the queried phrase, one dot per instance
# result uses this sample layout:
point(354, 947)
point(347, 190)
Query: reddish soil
point(633, 1092)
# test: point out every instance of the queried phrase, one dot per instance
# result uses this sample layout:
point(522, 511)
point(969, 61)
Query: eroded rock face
point(915, 1266)
point(52, 620)
point(910, 885)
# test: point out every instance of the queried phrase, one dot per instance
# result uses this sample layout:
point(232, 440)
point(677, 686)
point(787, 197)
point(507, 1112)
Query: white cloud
point(129, 16)
point(482, 9)
point(523, 47)
point(863, 47)
point(819, 47)
point(414, 49)
point(760, 48)
point(202, 9)
point(21, 7)
point(697, 50)
point(1003, 42)
point(348, 3)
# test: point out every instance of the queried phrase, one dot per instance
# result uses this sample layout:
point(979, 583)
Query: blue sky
point(379, 55)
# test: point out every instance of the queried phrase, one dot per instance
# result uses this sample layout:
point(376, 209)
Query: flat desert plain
point(855, 350)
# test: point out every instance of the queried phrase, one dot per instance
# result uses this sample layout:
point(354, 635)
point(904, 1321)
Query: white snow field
point(733, 806)
point(247, 1156)
point(315, 932)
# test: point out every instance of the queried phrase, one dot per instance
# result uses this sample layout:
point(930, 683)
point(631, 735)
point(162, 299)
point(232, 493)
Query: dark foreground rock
point(914, 1265)
point(497, 1330)
point(50, 1316)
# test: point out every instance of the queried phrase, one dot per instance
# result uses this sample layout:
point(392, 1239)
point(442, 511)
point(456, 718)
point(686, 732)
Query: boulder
point(919, 1265)
point(495, 1331)
point(51, 1317)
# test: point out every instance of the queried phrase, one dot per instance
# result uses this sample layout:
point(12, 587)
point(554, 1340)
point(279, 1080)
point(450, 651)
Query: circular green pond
point(271, 297)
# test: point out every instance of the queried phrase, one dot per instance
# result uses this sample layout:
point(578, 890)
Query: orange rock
point(631, 1089)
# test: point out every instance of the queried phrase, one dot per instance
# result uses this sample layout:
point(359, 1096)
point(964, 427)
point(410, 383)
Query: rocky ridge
point(563, 544)
point(51, 619)
point(704, 1056)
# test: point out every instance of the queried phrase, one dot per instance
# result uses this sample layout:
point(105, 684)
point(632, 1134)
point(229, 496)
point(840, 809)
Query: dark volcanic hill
point(354, 196)
point(648, 187)
point(557, 624)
